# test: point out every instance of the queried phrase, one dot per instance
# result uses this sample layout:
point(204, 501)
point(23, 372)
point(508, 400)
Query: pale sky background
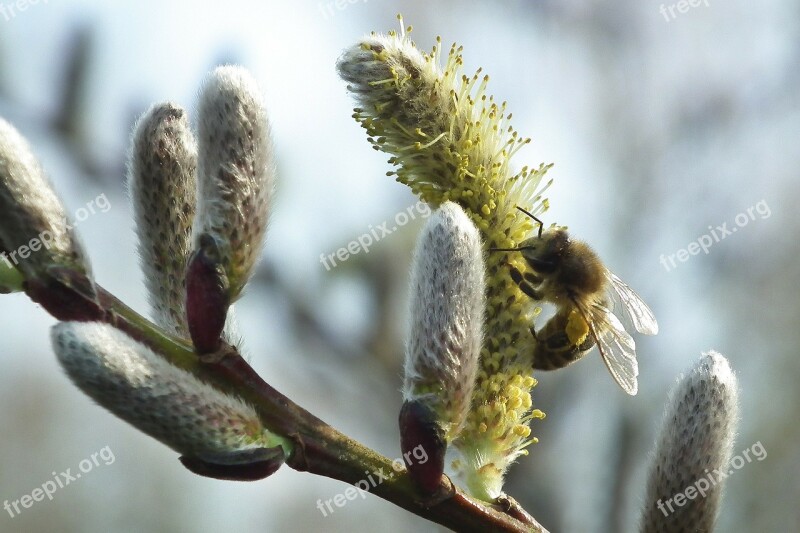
point(658, 129)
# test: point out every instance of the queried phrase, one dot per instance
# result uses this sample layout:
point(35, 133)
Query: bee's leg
point(553, 347)
point(532, 278)
point(524, 281)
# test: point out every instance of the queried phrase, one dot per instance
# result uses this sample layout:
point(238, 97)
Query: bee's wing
point(641, 316)
point(616, 346)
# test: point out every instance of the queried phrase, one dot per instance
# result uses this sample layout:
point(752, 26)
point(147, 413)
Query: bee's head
point(543, 252)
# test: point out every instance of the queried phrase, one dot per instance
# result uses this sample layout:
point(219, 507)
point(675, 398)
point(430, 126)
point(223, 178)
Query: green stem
point(10, 278)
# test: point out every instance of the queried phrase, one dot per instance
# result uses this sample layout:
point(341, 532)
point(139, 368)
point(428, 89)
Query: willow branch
point(319, 448)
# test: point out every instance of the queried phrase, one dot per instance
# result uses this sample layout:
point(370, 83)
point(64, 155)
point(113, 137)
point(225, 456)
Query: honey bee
point(568, 274)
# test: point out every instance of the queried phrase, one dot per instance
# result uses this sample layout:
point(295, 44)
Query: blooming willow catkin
point(193, 418)
point(450, 141)
point(162, 167)
point(695, 443)
point(444, 339)
point(34, 229)
point(236, 172)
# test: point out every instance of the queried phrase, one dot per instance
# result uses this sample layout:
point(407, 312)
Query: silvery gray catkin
point(695, 443)
point(162, 180)
point(236, 173)
point(34, 227)
point(444, 339)
point(166, 402)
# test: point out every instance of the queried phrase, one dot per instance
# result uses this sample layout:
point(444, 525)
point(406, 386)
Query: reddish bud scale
point(66, 294)
point(419, 429)
point(248, 465)
point(207, 298)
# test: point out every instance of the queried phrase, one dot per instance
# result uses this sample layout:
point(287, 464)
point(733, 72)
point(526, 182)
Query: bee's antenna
point(541, 224)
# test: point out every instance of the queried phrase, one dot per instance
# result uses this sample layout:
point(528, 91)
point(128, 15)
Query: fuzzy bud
point(34, 231)
point(368, 65)
point(236, 172)
point(695, 444)
point(219, 435)
point(161, 169)
point(445, 333)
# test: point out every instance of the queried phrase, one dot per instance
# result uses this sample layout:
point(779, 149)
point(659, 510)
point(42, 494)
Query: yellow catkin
point(449, 140)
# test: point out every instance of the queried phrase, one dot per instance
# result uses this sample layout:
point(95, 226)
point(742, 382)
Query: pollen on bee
point(577, 329)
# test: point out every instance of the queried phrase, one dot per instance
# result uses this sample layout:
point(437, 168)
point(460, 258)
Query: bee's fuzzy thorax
point(581, 270)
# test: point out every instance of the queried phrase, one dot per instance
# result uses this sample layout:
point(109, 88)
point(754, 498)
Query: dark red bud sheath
point(245, 465)
point(65, 293)
point(207, 297)
point(422, 441)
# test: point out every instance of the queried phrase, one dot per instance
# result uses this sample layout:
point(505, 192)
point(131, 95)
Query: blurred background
point(662, 123)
